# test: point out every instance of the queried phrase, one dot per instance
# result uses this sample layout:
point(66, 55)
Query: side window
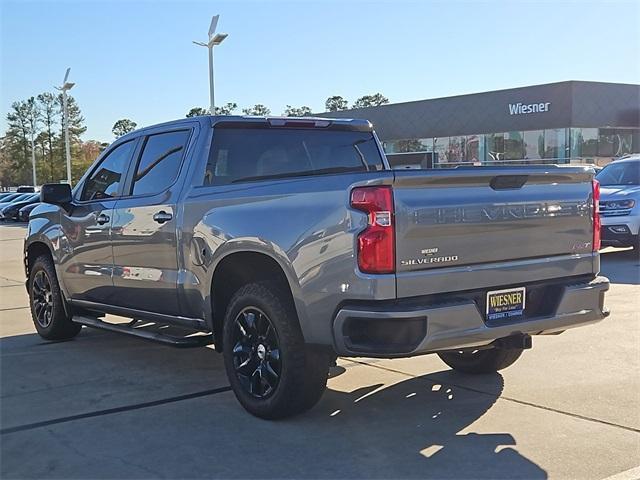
point(160, 162)
point(105, 180)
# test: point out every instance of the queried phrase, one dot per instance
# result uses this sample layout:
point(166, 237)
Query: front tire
point(481, 361)
point(45, 300)
point(272, 372)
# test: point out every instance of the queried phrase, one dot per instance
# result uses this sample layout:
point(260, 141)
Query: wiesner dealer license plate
point(503, 304)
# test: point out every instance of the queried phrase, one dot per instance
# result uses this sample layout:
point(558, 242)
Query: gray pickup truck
point(288, 242)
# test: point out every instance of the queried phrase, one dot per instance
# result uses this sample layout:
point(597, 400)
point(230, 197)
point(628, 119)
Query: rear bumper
point(404, 330)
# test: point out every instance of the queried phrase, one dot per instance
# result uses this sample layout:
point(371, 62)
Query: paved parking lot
point(110, 406)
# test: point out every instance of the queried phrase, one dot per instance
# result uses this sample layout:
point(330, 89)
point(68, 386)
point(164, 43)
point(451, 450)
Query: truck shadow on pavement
point(621, 266)
point(405, 427)
point(414, 428)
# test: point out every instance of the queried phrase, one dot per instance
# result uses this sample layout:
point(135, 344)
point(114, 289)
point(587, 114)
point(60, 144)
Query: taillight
point(597, 240)
point(376, 244)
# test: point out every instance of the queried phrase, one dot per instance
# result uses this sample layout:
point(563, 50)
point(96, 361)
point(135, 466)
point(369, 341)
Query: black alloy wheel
point(42, 299)
point(256, 353)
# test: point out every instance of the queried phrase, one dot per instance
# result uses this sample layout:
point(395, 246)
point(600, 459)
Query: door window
point(105, 180)
point(160, 162)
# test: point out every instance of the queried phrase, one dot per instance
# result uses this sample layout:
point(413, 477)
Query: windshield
point(623, 173)
point(10, 198)
point(21, 197)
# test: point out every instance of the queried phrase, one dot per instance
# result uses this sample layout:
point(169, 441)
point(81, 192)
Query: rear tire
point(272, 372)
point(46, 303)
point(481, 361)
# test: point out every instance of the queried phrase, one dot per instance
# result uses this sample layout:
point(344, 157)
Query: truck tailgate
point(490, 219)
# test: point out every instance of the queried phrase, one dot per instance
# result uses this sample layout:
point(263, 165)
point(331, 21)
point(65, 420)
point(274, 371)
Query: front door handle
point(162, 217)
point(102, 219)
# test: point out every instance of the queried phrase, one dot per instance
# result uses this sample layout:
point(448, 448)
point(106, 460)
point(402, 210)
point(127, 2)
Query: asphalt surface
point(109, 406)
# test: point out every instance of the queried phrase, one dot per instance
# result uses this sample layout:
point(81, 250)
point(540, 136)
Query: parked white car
point(620, 203)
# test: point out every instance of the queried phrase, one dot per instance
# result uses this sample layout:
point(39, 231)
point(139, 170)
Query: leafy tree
point(303, 111)
point(374, 100)
point(258, 110)
point(335, 104)
point(86, 153)
point(226, 109)
point(40, 118)
point(123, 126)
point(197, 112)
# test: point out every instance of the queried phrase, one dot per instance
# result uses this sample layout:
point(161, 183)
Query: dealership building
point(573, 121)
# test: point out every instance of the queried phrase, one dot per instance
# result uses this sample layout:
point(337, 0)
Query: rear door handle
point(162, 217)
point(102, 219)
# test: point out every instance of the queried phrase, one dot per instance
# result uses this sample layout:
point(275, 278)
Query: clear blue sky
point(136, 60)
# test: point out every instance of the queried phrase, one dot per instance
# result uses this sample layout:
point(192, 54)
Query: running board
point(130, 329)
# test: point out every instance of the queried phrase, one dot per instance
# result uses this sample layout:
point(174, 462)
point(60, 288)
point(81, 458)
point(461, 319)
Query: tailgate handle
point(508, 182)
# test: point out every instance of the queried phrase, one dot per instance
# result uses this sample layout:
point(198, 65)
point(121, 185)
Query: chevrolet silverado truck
point(288, 242)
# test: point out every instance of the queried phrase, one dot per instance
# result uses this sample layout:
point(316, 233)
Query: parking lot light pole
point(65, 115)
point(214, 39)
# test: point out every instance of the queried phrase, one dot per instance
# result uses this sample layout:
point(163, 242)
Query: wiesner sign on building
point(522, 109)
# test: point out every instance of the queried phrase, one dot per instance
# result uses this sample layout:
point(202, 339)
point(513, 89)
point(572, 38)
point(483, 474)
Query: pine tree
point(50, 118)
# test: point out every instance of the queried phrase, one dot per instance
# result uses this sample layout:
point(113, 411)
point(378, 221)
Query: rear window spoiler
point(355, 125)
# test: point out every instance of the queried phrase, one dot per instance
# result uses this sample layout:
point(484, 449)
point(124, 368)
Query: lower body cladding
point(620, 231)
point(619, 236)
point(409, 327)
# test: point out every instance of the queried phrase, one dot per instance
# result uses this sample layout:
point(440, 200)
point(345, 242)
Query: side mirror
point(56, 193)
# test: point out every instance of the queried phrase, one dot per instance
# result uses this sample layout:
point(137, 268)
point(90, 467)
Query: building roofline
point(563, 82)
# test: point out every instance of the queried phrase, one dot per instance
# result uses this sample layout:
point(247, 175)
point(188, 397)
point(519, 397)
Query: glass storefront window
point(427, 144)
point(513, 146)
point(440, 148)
point(584, 142)
point(555, 143)
point(614, 143)
point(456, 149)
point(475, 148)
point(408, 145)
point(552, 145)
point(533, 144)
point(495, 147)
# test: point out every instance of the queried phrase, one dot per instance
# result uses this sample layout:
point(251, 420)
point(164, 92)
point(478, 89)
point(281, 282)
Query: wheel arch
point(240, 267)
point(32, 250)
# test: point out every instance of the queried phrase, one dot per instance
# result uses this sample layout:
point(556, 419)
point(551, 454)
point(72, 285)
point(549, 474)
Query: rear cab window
point(242, 154)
